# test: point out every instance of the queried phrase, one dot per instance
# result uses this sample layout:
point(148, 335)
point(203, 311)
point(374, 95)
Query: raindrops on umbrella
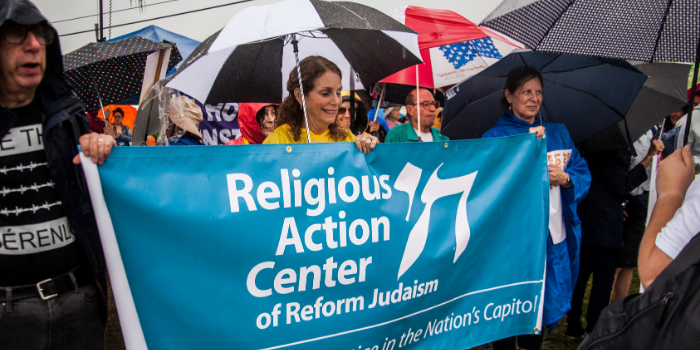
point(117, 69)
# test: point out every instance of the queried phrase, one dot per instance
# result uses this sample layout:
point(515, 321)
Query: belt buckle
point(41, 291)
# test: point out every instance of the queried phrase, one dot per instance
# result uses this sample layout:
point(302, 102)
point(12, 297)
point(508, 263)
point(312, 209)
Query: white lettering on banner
point(36, 238)
point(215, 113)
point(403, 293)
point(230, 111)
point(212, 137)
point(435, 189)
point(296, 313)
point(312, 195)
point(313, 190)
point(22, 140)
point(286, 279)
point(557, 228)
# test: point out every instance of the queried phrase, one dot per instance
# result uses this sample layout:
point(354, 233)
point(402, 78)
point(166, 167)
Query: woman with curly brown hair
point(322, 87)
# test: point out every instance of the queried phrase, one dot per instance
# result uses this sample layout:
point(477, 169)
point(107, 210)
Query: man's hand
point(557, 176)
point(539, 130)
point(676, 173)
point(96, 146)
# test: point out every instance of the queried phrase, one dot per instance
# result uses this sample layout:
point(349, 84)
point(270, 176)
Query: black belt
point(49, 288)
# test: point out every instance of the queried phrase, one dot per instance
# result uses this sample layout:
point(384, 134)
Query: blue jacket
point(563, 258)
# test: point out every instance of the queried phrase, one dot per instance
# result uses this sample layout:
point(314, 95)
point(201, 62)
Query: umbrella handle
point(96, 90)
point(691, 98)
point(418, 103)
point(301, 86)
point(379, 103)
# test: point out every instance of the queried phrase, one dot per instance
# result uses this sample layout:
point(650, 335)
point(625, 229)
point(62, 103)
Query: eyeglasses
point(427, 104)
point(15, 34)
point(342, 110)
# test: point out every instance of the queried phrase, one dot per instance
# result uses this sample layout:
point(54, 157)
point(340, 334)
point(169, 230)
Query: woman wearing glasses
point(410, 132)
point(359, 123)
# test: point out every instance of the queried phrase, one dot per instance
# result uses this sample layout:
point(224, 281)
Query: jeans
point(71, 320)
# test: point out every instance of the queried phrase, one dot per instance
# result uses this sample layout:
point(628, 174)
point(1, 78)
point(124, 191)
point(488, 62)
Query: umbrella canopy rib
point(661, 28)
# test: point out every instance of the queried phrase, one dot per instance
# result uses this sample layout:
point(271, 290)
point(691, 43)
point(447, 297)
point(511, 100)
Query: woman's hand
point(676, 173)
point(96, 146)
point(365, 143)
point(539, 130)
point(557, 176)
point(374, 126)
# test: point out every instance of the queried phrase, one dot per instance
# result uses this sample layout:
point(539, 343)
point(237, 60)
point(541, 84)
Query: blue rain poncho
point(562, 258)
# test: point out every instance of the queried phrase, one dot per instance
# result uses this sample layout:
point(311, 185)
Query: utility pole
point(101, 36)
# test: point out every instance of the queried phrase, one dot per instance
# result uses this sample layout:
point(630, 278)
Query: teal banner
point(436, 245)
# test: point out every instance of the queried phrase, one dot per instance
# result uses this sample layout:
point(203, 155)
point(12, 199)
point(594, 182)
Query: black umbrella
point(396, 93)
point(641, 30)
point(113, 70)
point(587, 94)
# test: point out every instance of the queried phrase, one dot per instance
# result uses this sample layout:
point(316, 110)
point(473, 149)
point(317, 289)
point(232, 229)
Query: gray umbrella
point(641, 30)
point(663, 92)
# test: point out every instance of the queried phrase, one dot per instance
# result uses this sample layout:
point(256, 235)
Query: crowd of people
point(54, 295)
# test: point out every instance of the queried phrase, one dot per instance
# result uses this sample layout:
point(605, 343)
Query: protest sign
point(220, 123)
point(435, 245)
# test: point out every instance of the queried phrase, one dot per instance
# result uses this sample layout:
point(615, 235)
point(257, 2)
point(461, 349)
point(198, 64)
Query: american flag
point(462, 53)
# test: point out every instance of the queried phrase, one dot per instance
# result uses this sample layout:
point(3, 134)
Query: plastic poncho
point(562, 258)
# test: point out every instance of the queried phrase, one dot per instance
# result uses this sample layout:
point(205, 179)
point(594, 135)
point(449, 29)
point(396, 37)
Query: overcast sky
point(198, 25)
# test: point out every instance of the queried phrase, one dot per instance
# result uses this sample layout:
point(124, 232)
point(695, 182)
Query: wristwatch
point(568, 182)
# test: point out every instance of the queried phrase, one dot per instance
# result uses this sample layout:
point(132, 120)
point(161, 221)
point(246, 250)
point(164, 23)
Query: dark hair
point(118, 110)
point(291, 112)
point(516, 78)
point(359, 124)
point(260, 115)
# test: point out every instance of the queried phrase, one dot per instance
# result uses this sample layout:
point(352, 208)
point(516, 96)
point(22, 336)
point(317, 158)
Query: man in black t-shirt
point(52, 285)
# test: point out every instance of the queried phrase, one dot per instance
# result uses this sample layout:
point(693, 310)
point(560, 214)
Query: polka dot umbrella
point(114, 70)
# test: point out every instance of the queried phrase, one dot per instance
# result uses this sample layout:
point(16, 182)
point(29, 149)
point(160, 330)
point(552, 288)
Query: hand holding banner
point(300, 245)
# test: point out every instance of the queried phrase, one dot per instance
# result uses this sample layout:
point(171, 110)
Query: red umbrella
point(452, 47)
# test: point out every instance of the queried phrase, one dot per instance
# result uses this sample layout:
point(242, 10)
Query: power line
point(161, 17)
point(122, 10)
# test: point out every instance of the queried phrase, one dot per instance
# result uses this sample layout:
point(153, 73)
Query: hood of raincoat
point(249, 124)
point(54, 85)
point(510, 120)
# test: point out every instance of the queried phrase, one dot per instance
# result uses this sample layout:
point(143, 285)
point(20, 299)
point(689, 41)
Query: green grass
point(554, 341)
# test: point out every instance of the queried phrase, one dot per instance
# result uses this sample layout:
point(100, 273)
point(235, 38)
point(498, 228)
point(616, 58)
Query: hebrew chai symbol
point(436, 188)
